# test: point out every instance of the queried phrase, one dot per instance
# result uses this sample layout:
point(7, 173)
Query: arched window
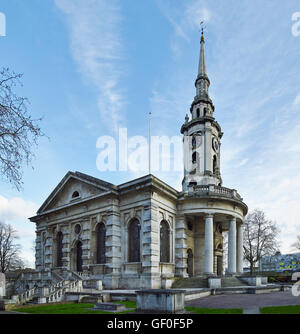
point(79, 256)
point(101, 235)
point(134, 241)
point(75, 194)
point(194, 142)
point(215, 164)
point(190, 262)
point(164, 242)
point(198, 112)
point(194, 157)
point(59, 239)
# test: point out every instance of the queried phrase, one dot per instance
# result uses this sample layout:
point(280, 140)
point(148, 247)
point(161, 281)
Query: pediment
point(73, 188)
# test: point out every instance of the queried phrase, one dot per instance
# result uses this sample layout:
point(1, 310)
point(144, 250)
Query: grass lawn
point(68, 308)
point(293, 309)
point(82, 308)
point(197, 310)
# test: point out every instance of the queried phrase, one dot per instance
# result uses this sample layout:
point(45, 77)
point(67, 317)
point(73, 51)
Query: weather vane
point(203, 27)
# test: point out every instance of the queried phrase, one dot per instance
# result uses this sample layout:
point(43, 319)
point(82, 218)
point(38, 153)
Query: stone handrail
point(58, 294)
point(53, 293)
point(26, 296)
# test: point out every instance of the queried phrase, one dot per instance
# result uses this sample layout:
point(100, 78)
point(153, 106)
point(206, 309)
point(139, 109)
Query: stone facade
point(144, 233)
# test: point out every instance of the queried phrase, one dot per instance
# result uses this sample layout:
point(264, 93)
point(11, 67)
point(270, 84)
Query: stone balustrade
point(212, 190)
point(51, 294)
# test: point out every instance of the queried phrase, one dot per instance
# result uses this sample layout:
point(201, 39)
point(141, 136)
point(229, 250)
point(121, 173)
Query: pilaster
point(150, 277)
point(180, 247)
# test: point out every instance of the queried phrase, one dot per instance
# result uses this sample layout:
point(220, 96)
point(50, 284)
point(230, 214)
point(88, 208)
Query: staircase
point(54, 294)
point(192, 282)
point(202, 282)
point(228, 282)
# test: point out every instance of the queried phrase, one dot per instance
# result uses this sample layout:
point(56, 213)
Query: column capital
point(231, 218)
point(209, 215)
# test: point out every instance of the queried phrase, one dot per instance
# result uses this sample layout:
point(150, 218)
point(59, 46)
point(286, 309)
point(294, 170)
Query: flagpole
point(149, 150)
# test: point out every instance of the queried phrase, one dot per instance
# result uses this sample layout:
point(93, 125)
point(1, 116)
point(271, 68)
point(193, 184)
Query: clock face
point(215, 144)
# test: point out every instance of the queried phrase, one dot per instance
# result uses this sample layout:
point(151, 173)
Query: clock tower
point(202, 134)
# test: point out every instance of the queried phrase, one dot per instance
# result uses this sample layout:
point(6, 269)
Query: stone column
point(85, 239)
point(150, 278)
point(232, 246)
point(113, 243)
point(240, 250)
point(209, 245)
point(38, 251)
point(49, 251)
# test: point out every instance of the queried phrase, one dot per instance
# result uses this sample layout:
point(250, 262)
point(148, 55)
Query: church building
point(144, 233)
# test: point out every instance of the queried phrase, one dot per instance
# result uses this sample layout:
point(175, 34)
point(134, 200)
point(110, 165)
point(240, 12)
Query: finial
point(202, 30)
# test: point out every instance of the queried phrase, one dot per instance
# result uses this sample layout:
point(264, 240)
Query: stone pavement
point(248, 302)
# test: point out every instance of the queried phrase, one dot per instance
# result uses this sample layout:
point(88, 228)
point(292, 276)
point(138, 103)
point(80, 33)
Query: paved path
point(248, 302)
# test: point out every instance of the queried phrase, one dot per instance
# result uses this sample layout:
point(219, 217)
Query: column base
point(210, 275)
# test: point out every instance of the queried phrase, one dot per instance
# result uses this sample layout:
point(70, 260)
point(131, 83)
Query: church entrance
point(79, 257)
point(190, 263)
point(220, 265)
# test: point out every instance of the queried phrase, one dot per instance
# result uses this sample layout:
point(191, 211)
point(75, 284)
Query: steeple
point(202, 134)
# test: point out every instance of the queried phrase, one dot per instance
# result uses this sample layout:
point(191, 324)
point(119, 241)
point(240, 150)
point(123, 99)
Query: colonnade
point(235, 246)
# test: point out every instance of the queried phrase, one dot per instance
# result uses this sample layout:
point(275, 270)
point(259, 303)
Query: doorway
point(190, 263)
point(220, 265)
point(79, 257)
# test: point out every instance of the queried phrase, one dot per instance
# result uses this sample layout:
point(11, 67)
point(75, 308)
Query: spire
point(202, 82)
point(202, 63)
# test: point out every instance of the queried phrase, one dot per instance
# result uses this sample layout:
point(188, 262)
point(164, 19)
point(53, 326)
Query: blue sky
point(91, 67)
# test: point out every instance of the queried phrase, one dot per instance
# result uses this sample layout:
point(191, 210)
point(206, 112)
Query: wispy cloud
point(297, 100)
point(96, 47)
point(184, 20)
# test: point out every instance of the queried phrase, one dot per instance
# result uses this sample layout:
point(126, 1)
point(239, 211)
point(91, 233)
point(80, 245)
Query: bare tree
point(18, 131)
point(9, 250)
point(260, 238)
point(296, 245)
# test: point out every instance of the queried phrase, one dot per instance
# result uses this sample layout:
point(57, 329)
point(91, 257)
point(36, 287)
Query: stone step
point(192, 282)
point(231, 282)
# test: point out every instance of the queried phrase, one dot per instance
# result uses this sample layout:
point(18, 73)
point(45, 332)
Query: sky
point(91, 67)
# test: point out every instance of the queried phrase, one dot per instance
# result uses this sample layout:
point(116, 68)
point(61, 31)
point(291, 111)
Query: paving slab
point(246, 301)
